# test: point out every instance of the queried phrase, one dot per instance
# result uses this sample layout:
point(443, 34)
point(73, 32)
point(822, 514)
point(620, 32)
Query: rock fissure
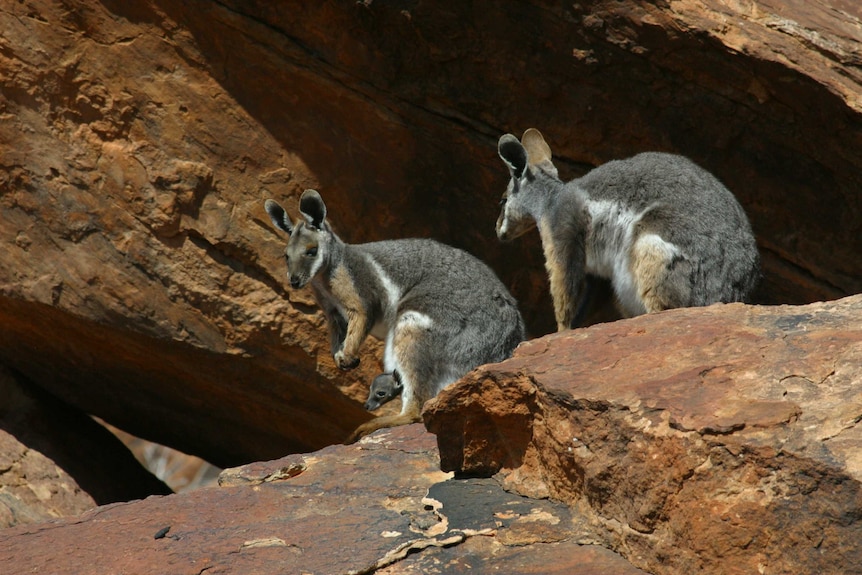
point(416, 546)
point(846, 427)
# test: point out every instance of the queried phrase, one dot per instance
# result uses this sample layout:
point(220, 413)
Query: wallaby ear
point(538, 150)
point(514, 154)
point(312, 208)
point(397, 377)
point(278, 216)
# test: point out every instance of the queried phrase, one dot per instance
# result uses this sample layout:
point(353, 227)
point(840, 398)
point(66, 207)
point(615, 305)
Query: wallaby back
point(664, 231)
point(440, 311)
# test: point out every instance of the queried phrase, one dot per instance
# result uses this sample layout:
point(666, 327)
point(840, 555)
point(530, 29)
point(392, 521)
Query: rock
point(56, 461)
point(381, 506)
point(717, 440)
point(141, 282)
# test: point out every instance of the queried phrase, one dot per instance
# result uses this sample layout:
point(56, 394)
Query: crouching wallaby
point(665, 232)
point(440, 311)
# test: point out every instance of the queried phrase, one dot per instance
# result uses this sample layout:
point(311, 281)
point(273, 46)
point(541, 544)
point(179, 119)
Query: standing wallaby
point(384, 388)
point(665, 232)
point(440, 311)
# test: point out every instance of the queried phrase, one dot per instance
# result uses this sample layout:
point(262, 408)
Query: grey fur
point(384, 388)
point(603, 223)
point(441, 311)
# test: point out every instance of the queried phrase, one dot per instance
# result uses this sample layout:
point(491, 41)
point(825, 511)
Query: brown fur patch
point(538, 150)
point(649, 267)
point(344, 290)
point(557, 276)
point(413, 416)
point(408, 342)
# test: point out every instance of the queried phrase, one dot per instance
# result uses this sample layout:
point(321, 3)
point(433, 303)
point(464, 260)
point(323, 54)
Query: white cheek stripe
point(504, 225)
point(318, 262)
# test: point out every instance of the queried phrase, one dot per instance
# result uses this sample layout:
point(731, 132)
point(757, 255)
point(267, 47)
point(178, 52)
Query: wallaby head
point(309, 247)
point(529, 160)
point(384, 388)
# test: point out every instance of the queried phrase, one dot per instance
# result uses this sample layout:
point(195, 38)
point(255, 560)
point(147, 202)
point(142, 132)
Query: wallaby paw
point(345, 362)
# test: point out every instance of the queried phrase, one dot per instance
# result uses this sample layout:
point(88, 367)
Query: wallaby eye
point(503, 200)
point(381, 393)
point(311, 252)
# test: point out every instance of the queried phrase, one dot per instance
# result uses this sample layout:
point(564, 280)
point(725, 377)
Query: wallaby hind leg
point(412, 351)
point(412, 415)
point(661, 274)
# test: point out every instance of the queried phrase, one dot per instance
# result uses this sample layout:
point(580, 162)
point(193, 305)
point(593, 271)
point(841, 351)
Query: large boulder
point(718, 440)
point(382, 506)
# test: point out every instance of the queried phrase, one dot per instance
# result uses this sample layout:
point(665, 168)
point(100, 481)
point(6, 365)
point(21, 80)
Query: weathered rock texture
point(380, 506)
point(718, 440)
point(140, 280)
point(55, 462)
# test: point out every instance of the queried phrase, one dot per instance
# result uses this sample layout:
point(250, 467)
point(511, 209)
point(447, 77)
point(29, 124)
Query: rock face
point(717, 440)
point(380, 506)
point(140, 280)
point(618, 449)
point(55, 462)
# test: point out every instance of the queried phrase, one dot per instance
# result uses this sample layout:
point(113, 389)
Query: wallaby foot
point(345, 362)
point(380, 422)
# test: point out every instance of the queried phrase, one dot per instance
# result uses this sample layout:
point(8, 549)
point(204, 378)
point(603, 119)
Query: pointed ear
point(397, 377)
point(538, 150)
point(514, 154)
point(312, 208)
point(278, 216)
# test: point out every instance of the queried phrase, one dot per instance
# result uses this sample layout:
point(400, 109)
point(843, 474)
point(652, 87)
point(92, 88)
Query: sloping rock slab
point(380, 505)
point(715, 440)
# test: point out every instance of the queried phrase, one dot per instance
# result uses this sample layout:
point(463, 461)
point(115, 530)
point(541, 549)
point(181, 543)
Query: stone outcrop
point(718, 440)
point(380, 506)
point(140, 280)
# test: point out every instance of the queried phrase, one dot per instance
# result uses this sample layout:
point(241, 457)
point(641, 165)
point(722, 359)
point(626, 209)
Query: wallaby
point(440, 311)
point(664, 231)
point(384, 388)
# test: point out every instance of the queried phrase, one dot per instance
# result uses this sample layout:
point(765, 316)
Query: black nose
point(294, 282)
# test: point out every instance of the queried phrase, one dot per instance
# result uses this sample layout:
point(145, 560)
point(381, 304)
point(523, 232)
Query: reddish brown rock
point(380, 506)
point(56, 461)
point(716, 440)
point(140, 280)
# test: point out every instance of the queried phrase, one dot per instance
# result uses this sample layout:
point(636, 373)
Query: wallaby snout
point(513, 221)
